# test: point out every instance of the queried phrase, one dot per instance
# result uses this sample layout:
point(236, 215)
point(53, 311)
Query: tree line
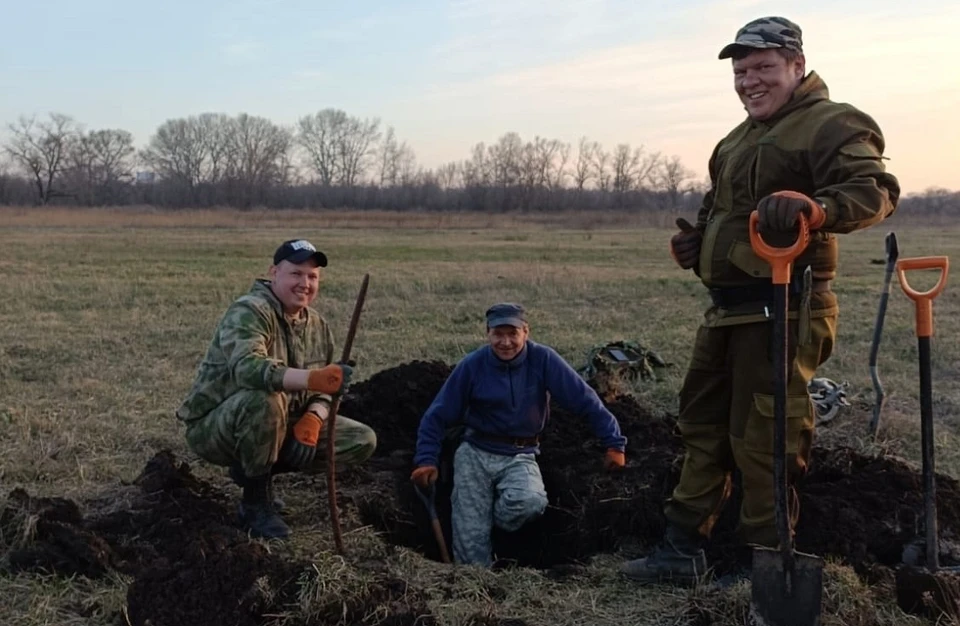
point(330, 159)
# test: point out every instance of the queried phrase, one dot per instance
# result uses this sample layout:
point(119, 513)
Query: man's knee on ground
point(516, 507)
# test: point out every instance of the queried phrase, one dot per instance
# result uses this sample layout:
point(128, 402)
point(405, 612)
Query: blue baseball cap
point(506, 314)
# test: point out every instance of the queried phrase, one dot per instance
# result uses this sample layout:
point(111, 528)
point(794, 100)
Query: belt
point(516, 442)
point(725, 297)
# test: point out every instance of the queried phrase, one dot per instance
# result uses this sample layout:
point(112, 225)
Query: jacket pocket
point(860, 150)
point(759, 434)
point(742, 256)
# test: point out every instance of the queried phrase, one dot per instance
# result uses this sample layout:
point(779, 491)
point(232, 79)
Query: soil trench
point(177, 536)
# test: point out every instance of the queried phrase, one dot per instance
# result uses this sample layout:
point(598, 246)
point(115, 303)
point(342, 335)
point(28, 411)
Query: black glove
point(685, 245)
point(778, 212)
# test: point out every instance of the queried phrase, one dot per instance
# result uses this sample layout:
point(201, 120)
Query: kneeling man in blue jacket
point(501, 392)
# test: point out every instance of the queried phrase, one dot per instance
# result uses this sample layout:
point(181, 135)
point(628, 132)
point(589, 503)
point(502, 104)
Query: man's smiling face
point(765, 81)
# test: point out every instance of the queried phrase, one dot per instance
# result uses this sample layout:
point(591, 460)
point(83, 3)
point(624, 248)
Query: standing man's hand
point(778, 212)
point(614, 459)
point(685, 245)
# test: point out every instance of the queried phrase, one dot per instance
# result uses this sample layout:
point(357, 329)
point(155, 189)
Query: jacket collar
point(261, 288)
point(811, 90)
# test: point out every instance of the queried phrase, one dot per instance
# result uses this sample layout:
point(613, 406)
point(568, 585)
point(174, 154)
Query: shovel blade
point(779, 600)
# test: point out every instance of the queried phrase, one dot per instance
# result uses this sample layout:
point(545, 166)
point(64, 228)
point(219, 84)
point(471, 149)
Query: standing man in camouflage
point(264, 388)
point(501, 392)
point(797, 152)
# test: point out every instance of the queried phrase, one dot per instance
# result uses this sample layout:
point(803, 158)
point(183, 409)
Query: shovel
point(893, 252)
point(786, 585)
point(924, 320)
point(429, 499)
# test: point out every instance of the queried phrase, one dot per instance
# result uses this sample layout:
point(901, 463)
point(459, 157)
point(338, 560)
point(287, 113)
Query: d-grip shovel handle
point(428, 497)
point(923, 299)
point(780, 259)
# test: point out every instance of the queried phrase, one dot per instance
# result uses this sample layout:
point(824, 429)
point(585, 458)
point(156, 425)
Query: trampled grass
point(105, 314)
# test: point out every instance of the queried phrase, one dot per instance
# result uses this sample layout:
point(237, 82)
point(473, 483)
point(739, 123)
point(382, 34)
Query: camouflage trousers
point(491, 489)
point(726, 422)
point(250, 426)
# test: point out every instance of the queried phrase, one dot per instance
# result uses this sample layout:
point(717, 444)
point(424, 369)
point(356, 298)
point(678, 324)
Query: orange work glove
point(331, 380)
point(685, 245)
point(301, 444)
point(424, 476)
point(614, 459)
point(779, 211)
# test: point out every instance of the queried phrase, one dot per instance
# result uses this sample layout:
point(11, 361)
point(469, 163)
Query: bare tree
point(259, 148)
point(449, 175)
point(624, 163)
point(355, 145)
point(97, 164)
point(39, 148)
point(560, 172)
point(406, 165)
point(672, 178)
point(583, 170)
point(216, 135)
point(601, 163)
point(176, 152)
point(317, 135)
point(505, 160)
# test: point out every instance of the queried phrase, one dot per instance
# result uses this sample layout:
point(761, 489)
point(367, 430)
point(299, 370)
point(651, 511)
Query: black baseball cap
point(297, 251)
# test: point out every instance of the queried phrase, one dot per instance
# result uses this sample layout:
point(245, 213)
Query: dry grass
point(106, 313)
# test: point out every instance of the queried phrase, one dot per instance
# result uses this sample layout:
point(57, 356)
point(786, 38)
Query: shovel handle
point(923, 299)
point(780, 259)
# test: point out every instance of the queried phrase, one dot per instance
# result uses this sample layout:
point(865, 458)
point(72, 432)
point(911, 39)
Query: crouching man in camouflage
point(501, 393)
point(264, 389)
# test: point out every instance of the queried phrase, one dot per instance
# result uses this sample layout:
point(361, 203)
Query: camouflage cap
point(506, 314)
point(766, 32)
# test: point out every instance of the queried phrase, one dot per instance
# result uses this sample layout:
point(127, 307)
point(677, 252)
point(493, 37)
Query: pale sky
point(449, 74)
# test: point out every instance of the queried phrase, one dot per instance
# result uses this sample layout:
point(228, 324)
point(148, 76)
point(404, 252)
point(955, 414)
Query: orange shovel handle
point(923, 299)
point(780, 259)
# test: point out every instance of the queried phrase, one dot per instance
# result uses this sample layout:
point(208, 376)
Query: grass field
point(105, 314)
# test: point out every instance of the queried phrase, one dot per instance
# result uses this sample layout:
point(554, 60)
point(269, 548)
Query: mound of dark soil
point(864, 510)
point(189, 561)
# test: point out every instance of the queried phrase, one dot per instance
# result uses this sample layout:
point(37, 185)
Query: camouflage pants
point(250, 426)
point(491, 489)
point(726, 421)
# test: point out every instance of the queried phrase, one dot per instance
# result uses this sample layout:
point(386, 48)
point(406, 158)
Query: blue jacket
point(510, 399)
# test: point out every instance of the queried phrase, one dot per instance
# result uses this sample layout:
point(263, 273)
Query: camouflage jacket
point(827, 150)
point(252, 347)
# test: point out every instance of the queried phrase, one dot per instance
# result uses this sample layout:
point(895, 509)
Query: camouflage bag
point(613, 368)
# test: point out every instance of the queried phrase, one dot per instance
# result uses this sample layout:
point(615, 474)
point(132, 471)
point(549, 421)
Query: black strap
point(516, 442)
point(726, 297)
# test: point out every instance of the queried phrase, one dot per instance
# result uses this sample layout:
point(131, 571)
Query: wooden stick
point(332, 421)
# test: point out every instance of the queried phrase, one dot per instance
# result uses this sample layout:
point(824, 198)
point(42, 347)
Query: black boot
point(257, 513)
point(240, 480)
point(678, 559)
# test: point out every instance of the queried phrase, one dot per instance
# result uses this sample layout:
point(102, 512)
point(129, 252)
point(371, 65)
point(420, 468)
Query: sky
point(449, 74)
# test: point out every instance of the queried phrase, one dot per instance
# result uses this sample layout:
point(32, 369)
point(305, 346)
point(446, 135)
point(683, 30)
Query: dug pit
point(176, 536)
point(862, 510)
